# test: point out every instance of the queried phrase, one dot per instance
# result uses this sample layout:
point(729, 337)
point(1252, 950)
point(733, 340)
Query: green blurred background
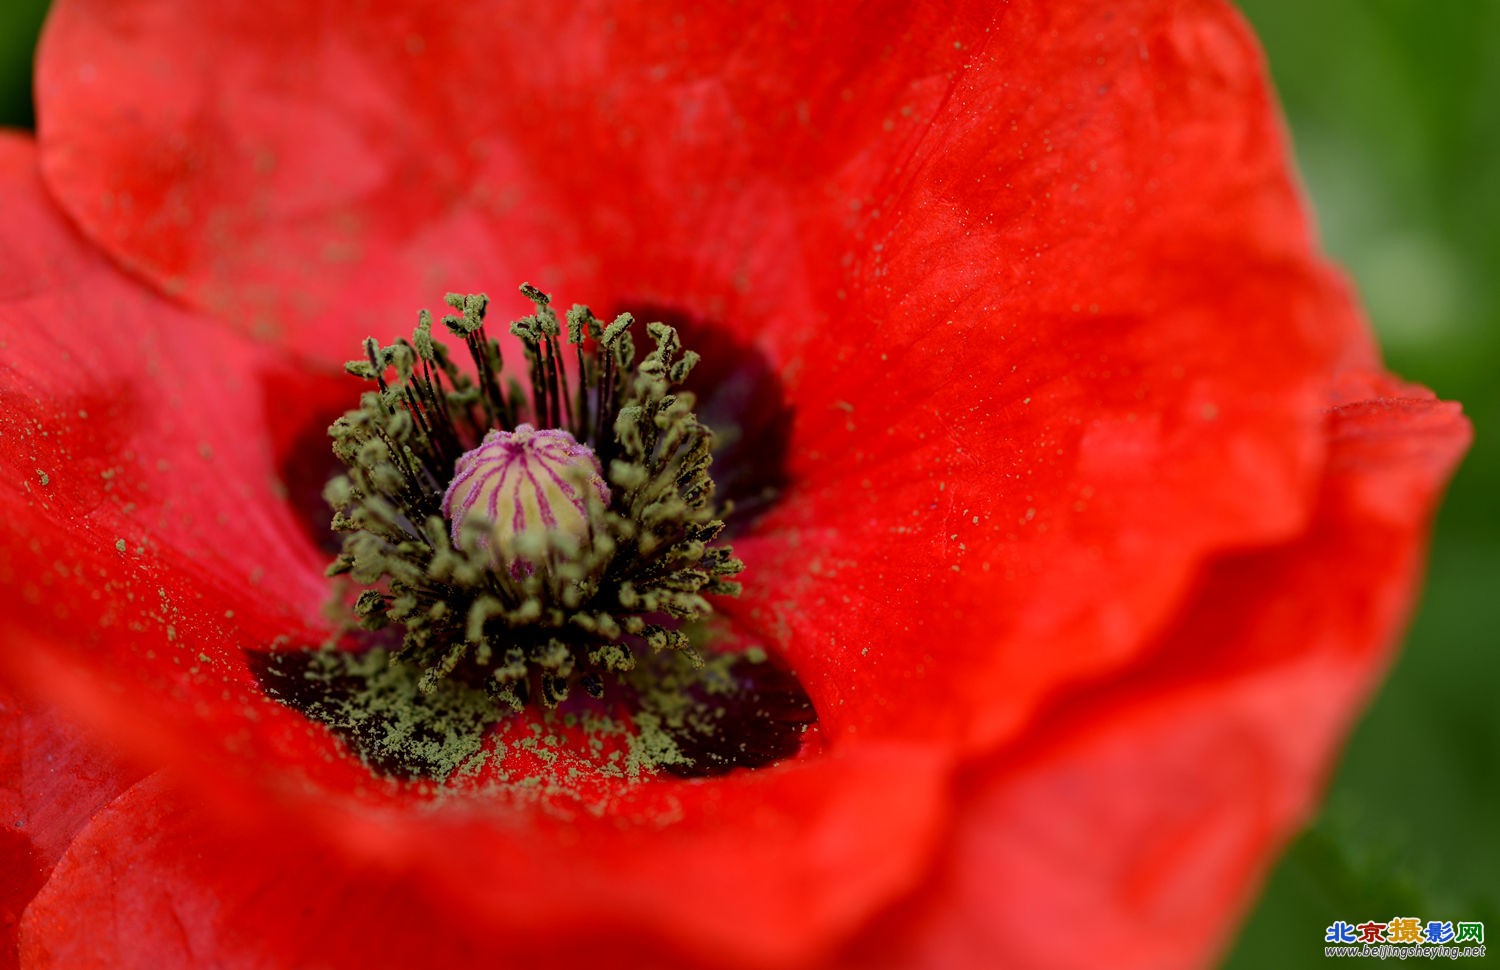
point(1395, 109)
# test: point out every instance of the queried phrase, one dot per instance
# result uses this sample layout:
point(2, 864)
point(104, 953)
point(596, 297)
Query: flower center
point(506, 545)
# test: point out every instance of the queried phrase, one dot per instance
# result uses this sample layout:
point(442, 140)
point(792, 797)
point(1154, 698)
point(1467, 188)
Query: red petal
point(149, 885)
point(147, 545)
point(1137, 823)
point(146, 542)
point(753, 166)
point(51, 781)
point(152, 883)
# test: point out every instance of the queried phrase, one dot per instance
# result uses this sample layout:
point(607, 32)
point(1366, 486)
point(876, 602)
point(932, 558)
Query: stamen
point(448, 525)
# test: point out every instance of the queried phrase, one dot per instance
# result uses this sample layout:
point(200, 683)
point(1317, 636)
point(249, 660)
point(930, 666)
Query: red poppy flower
point(1096, 517)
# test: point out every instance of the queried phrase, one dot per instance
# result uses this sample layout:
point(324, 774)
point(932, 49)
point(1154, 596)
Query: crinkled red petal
point(147, 543)
point(1134, 826)
point(764, 869)
point(273, 159)
point(1035, 275)
point(52, 779)
point(150, 884)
